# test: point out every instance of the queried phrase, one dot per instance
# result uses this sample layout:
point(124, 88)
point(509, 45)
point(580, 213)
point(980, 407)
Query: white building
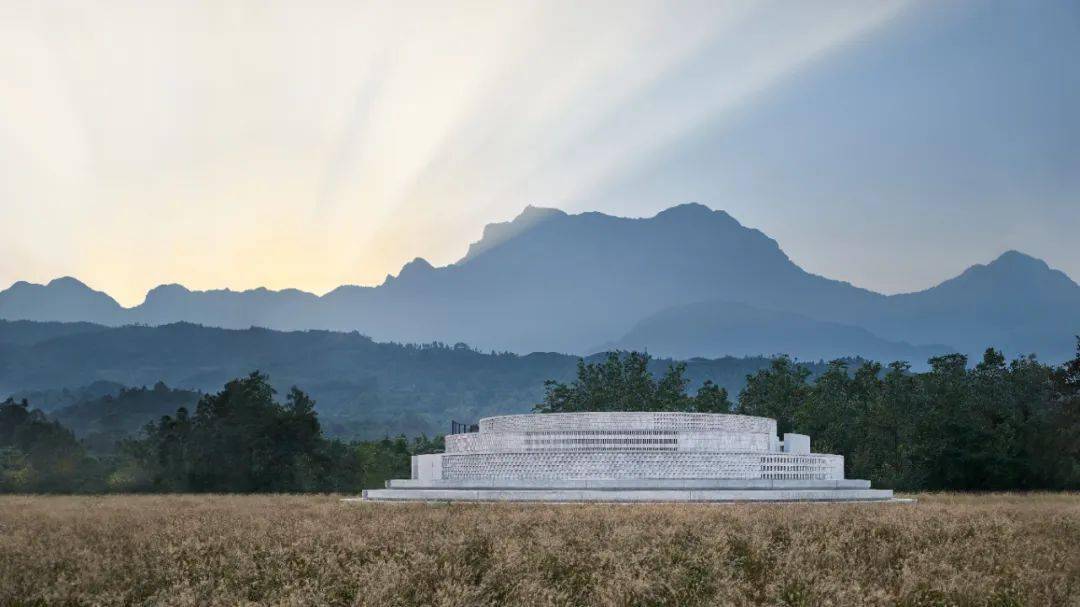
point(628, 457)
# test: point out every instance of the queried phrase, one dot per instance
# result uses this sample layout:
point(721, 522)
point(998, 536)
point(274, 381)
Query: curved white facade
point(660, 420)
point(627, 456)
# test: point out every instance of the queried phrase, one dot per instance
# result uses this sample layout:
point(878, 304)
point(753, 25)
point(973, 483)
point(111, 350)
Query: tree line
point(241, 439)
point(994, 425)
point(622, 382)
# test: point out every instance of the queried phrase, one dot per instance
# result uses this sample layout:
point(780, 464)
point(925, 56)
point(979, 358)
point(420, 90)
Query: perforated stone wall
point(619, 465)
point(630, 445)
point(606, 440)
point(609, 421)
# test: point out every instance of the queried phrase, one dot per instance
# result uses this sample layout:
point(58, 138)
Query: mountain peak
point(418, 263)
point(1015, 259)
point(1013, 279)
point(63, 299)
point(697, 213)
point(165, 292)
point(533, 213)
point(67, 282)
point(417, 267)
point(496, 234)
point(1012, 267)
point(168, 288)
point(688, 209)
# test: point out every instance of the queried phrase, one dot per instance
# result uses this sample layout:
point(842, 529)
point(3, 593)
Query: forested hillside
point(103, 422)
point(363, 388)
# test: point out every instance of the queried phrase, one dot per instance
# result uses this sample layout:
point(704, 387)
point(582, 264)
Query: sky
point(285, 144)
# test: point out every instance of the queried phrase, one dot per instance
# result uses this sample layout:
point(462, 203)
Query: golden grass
point(197, 550)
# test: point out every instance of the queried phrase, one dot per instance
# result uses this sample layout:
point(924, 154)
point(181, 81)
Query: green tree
point(41, 455)
point(1064, 421)
point(777, 392)
point(242, 440)
point(239, 439)
point(711, 398)
point(887, 435)
point(622, 382)
point(16, 473)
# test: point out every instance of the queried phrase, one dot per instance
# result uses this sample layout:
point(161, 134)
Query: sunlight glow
point(310, 145)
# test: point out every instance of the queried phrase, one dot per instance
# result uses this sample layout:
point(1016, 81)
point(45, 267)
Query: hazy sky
point(312, 144)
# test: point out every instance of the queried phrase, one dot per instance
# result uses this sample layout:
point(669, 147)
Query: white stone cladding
point(796, 443)
point(607, 440)
point(626, 465)
point(628, 457)
point(427, 467)
point(632, 445)
point(661, 420)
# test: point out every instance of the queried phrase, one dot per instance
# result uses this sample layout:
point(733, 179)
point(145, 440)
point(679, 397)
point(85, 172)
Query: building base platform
point(667, 490)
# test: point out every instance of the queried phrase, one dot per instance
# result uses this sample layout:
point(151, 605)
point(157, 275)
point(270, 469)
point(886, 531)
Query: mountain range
point(689, 281)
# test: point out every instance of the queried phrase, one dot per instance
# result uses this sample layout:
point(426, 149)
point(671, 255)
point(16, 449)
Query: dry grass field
point(303, 550)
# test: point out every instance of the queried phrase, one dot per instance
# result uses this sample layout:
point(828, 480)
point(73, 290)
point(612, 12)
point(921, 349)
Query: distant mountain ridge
point(691, 330)
point(362, 388)
point(552, 281)
point(63, 299)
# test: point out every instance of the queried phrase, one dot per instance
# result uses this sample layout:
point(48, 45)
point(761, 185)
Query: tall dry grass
point(200, 550)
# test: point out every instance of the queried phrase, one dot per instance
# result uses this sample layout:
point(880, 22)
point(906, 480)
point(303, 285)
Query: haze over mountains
point(688, 282)
point(362, 388)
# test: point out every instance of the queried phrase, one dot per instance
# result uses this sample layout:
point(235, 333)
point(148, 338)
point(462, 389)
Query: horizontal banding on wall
point(641, 465)
point(610, 421)
point(607, 440)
